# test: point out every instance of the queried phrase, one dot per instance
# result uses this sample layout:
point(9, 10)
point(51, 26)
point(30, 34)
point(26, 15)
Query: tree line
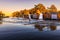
point(39, 8)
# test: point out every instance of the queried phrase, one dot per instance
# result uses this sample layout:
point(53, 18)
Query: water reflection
point(41, 28)
point(53, 27)
point(0, 22)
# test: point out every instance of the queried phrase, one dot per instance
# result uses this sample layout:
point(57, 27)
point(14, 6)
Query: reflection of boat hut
point(40, 28)
point(53, 28)
point(0, 22)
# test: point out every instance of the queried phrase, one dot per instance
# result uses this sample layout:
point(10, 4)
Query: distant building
point(46, 16)
point(54, 16)
point(34, 16)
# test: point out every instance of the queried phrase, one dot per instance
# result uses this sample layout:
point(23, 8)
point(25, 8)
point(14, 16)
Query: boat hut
point(46, 16)
point(58, 15)
point(54, 16)
point(35, 16)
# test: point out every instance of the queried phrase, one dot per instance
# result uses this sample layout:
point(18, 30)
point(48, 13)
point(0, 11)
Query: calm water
point(18, 31)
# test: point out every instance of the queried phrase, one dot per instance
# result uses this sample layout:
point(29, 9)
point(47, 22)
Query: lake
point(18, 31)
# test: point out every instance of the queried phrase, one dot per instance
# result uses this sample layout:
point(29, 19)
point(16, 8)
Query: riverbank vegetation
point(39, 8)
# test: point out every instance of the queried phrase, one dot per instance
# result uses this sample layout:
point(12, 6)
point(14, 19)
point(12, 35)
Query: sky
point(9, 6)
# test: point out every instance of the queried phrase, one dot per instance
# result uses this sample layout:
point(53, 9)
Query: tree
point(37, 11)
point(53, 8)
point(21, 13)
point(26, 12)
point(16, 14)
point(40, 7)
point(32, 10)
